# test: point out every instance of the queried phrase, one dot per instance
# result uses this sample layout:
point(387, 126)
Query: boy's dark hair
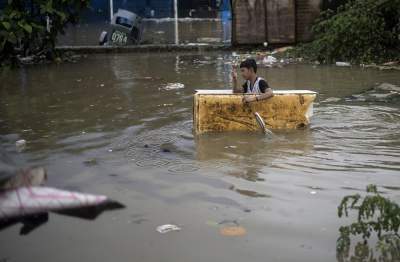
point(249, 63)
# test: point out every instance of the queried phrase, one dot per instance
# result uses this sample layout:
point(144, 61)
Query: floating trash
point(233, 231)
point(343, 64)
point(90, 162)
point(174, 86)
point(20, 145)
point(269, 60)
point(167, 228)
point(25, 201)
point(331, 100)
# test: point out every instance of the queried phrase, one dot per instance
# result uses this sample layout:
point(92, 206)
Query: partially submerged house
point(273, 21)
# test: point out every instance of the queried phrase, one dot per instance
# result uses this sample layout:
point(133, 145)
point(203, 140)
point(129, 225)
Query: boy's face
point(246, 72)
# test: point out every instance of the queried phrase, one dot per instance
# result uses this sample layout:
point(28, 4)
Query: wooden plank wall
point(248, 21)
point(306, 13)
point(273, 21)
point(281, 21)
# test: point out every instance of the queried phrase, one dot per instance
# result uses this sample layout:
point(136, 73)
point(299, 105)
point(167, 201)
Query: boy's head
point(247, 68)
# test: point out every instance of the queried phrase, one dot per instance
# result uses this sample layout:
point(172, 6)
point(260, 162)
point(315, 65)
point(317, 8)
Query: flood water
point(108, 125)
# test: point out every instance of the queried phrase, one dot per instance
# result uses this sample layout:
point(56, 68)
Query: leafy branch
point(375, 215)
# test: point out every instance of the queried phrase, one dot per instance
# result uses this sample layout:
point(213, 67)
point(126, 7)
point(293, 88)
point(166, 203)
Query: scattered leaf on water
point(233, 231)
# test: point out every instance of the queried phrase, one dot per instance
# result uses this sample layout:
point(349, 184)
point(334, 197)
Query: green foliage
point(378, 216)
point(358, 31)
point(23, 25)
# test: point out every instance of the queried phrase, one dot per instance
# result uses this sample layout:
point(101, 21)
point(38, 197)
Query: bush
point(359, 31)
point(25, 28)
point(376, 216)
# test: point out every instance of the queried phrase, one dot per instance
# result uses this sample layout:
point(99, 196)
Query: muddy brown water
point(109, 125)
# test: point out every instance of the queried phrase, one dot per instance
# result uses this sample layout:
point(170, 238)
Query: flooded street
point(112, 124)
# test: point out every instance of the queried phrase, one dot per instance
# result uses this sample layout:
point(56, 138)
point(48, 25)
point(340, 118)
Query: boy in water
point(253, 85)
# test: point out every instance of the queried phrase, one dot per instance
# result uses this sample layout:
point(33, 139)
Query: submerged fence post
point(176, 22)
point(111, 10)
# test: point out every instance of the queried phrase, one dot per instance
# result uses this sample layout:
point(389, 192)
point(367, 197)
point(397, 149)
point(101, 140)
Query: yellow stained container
point(222, 110)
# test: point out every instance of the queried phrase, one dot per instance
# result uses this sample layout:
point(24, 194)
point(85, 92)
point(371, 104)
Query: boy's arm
point(258, 97)
point(235, 87)
point(268, 93)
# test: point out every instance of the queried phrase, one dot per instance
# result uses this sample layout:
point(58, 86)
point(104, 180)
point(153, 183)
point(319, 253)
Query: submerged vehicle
point(126, 29)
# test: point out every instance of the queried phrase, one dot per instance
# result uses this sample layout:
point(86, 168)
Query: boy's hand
point(234, 73)
point(248, 99)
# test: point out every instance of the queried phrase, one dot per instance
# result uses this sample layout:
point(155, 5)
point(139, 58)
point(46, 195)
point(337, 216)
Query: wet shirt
point(260, 86)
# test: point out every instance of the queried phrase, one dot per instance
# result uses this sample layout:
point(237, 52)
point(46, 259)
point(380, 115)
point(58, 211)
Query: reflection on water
point(244, 155)
point(108, 125)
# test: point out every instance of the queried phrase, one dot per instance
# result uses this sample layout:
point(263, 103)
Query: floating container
point(223, 110)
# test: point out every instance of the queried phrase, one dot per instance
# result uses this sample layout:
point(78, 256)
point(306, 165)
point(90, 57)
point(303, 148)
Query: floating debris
point(90, 162)
point(331, 100)
point(22, 178)
point(25, 201)
point(345, 64)
point(167, 228)
point(173, 86)
point(165, 105)
point(269, 60)
point(20, 145)
point(233, 231)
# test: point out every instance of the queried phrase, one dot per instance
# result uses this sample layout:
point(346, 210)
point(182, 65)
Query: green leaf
point(28, 28)
point(14, 14)
point(6, 25)
point(12, 38)
point(2, 44)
